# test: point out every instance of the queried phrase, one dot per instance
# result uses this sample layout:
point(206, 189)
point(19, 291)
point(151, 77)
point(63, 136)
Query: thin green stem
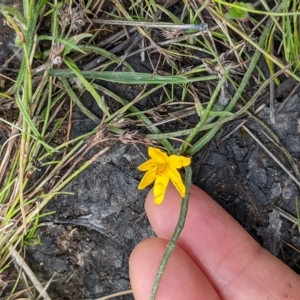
point(176, 233)
point(259, 12)
point(206, 112)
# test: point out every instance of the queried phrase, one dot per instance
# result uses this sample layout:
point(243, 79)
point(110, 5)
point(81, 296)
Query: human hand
point(215, 258)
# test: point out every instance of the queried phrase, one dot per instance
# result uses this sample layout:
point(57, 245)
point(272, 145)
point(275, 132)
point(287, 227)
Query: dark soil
point(86, 243)
point(107, 213)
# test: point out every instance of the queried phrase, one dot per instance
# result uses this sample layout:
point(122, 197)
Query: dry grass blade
point(7, 156)
point(287, 215)
point(198, 27)
point(22, 264)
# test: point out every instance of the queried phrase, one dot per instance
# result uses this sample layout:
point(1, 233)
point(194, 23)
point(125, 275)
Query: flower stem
point(180, 224)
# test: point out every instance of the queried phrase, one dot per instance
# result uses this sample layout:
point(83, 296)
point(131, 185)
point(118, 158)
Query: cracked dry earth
point(87, 242)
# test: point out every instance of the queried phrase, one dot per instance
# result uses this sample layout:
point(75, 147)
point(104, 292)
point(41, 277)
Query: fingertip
point(169, 207)
point(140, 273)
point(181, 279)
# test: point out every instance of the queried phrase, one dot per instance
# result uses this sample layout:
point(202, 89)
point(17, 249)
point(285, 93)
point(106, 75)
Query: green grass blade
point(76, 100)
point(87, 85)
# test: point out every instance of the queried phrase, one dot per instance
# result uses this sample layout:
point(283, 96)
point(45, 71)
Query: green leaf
point(73, 41)
point(122, 77)
point(76, 100)
point(69, 44)
point(15, 13)
point(236, 13)
point(218, 113)
point(70, 63)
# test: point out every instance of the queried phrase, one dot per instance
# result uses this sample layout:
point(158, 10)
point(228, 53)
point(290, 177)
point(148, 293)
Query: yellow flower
point(162, 168)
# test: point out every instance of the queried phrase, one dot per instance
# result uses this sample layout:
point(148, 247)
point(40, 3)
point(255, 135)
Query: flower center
point(161, 170)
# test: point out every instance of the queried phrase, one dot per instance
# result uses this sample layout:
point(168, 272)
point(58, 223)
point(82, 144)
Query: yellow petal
point(147, 165)
point(157, 155)
point(159, 189)
point(177, 180)
point(147, 179)
point(178, 161)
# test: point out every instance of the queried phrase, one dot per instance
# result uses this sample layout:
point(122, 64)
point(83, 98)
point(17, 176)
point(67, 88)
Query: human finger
point(182, 279)
point(233, 262)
